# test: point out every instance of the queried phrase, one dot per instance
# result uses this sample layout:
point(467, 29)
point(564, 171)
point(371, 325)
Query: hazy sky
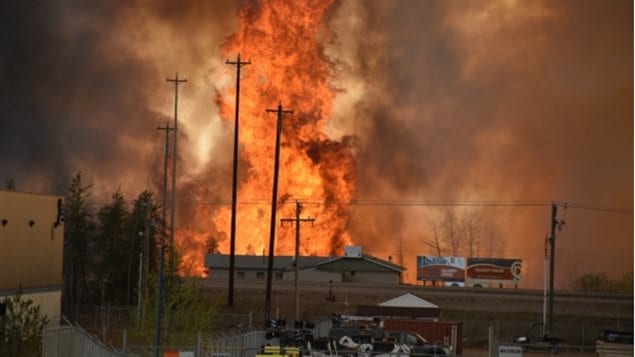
point(468, 101)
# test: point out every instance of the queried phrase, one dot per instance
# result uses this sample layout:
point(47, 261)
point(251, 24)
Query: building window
point(278, 275)
point(240, 275)
point(260, 275)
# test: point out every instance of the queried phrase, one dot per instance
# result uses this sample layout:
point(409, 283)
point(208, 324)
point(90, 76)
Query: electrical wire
point(408, 203)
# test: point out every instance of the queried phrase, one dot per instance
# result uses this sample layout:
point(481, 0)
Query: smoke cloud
point(492, 101)
point(462, 100)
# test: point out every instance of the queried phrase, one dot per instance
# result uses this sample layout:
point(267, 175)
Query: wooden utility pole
point(297, 220)
point(552, 261)
point(176, 82)
point(157, 344)
point(232, 241)
point(274, 207)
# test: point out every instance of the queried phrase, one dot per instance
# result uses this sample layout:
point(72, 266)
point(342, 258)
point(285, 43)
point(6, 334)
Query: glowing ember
point(283, 40)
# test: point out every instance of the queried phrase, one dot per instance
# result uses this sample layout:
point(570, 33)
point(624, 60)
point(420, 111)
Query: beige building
point(31, 246)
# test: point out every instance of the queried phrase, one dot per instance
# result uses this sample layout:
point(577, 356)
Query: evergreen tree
point(142, 230)
point(78, 231)
point(110, 248)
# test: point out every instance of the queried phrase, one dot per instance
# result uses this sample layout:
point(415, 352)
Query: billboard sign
point(447, 269)
point(494, 270)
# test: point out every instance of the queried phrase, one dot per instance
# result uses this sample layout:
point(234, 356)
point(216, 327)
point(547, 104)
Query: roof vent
point(353, 251)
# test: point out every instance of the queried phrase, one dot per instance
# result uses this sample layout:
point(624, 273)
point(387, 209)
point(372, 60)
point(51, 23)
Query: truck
point(471, 272)
point(354, 337)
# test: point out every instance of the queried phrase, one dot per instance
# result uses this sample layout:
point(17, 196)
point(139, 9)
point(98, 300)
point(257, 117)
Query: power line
point(597, 208)
point(407, 203)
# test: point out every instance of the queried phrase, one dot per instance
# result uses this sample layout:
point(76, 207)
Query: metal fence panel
point(236, 346)
point(72, 341)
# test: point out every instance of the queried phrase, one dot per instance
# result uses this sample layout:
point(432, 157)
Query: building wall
point(243, 274)
point(30, 255)
point(374, 277)
point(314, 275)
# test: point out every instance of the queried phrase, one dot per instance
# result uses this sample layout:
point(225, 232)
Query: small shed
point(409, 312)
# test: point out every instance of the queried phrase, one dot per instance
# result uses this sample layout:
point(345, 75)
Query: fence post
point(491, 343)
point(44, 352)
point(198, 344)
point(125, 342)
point(583, 335)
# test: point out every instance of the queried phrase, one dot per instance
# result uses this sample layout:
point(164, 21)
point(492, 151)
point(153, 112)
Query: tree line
point(106, 251)
point(466, 234)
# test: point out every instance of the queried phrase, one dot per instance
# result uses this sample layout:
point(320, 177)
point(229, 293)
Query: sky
point(445, 101)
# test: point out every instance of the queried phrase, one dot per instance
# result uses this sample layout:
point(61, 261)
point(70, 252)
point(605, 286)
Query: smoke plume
point(464, 101)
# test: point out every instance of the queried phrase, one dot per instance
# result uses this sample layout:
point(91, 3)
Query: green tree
point(625, 283)
point(110, 248)
point(186, 310)
point(78, 232)
point(601, 282)
point(141, 228)
point(21, 327)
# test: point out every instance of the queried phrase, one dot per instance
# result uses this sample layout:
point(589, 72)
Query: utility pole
point(552, 260)
point(545, 268)
point(274, 206)
point(176, 82)
point(144, 261)
point(157, 349)
point(146, 247)
point(297, 220)
point(232, 241)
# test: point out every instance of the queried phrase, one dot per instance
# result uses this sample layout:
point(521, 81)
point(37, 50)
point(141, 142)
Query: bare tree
point(435, 242)
point(471, 231)
point(451, 234)
point(400, 249)
point(494, 239)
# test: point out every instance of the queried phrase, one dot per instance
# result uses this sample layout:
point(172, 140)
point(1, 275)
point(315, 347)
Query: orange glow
point(283, 39)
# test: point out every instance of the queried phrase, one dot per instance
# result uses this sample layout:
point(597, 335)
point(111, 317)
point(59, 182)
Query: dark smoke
point(446, 100)
point(82, 81)
point(499, 101)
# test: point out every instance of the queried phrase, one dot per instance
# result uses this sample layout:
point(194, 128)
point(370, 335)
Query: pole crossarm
point(238, 62)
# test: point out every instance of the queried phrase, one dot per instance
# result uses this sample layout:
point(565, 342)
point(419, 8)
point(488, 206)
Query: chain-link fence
point(247, 344)
point(576, 333)
point(72, 341)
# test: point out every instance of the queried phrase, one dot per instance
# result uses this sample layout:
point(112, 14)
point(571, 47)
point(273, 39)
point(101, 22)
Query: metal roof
point(409, 300)
point(366, 258)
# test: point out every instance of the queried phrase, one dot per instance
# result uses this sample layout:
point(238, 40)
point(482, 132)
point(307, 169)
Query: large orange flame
point(284, 40)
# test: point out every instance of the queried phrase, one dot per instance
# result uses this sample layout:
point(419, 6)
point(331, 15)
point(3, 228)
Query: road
point(479, 299)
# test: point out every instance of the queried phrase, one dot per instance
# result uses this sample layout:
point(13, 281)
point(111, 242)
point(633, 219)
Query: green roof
point(365, 263)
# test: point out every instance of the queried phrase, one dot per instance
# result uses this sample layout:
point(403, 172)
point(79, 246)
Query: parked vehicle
point(536, 340)
point(417, 344)
point(610, 343)
point(404, 343)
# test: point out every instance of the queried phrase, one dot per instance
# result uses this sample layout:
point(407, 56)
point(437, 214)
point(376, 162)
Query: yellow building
point(31, 247)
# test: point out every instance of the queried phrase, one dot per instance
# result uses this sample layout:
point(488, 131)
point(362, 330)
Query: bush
point(21, 328)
